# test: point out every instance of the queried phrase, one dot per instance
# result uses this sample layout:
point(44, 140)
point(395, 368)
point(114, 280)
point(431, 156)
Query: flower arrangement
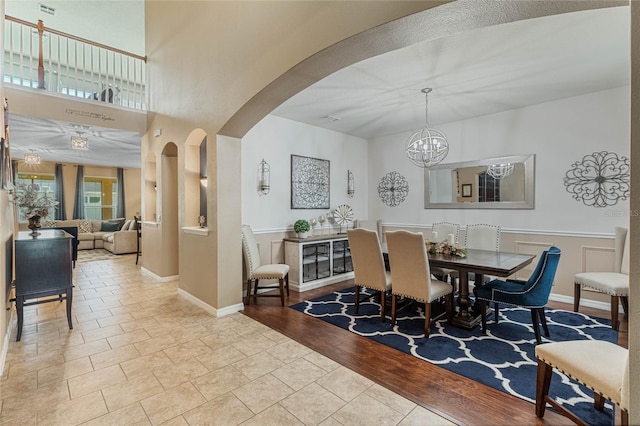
point(31, 203)
point(443, 247)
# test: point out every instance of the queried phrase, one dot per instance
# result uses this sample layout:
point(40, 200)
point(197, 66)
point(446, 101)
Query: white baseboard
point(158, 277)
point(227, 310)
point(5, 344)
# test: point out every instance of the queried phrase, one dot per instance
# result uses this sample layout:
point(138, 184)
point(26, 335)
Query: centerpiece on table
point(446, 248)
point(33, 205)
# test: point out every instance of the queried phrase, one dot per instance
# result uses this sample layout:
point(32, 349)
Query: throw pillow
point(126, 225)
point(109, 226)
point(119, 221)
point(84, 226)
point(49, 224)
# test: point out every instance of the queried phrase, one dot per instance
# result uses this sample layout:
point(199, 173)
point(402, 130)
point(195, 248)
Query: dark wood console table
point(43, 268)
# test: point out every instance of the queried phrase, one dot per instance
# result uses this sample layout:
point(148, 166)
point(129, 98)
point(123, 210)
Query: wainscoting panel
point(530, 247)
point(597, 259)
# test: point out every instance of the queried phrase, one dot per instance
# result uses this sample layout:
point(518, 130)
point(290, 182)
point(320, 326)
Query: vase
point(34, 225)
point(302, 234)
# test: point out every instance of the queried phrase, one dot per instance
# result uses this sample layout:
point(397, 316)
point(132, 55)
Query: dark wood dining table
point(480, 263)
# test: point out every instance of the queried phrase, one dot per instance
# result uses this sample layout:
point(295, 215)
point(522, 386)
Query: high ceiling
point(472, 74)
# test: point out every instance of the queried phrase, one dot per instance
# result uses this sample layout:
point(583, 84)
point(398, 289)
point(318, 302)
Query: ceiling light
point(427, 147)
point(499, 171)
point(31, 158)
point(79, 142)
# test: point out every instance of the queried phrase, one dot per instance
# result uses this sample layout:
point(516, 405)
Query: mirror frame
point(529, 184)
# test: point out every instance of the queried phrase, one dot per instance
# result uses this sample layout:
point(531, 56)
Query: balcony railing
point(43, 58)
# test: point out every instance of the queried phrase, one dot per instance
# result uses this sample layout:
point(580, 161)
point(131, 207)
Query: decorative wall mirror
point(492, 183)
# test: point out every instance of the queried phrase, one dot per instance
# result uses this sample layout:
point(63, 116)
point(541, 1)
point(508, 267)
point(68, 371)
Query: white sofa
point(119, 236)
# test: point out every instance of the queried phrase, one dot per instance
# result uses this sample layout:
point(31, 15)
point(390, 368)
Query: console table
point(43, 268)
point(317, 261)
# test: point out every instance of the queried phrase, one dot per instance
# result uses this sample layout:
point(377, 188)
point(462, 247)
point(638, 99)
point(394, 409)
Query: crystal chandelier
point(31, 158)
point(500, 170)
point(427, 147)
point(79, 142)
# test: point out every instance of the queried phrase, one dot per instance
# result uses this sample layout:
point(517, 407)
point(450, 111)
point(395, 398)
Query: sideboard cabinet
point(317, 261)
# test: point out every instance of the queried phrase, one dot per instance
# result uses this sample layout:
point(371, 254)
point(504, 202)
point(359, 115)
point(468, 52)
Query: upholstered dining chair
point(368, 266)
point(532, 294)
point(599, 365)
point(255, 271)
point(372, 225)
point(615, 283)
point(480, 237)
point(411, 276)
point(442, 230)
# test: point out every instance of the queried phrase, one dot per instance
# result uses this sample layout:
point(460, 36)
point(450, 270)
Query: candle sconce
point(264, 178)
point(350, 185)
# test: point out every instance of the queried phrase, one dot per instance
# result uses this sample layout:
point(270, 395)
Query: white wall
point(275, 139)
point(559, 133)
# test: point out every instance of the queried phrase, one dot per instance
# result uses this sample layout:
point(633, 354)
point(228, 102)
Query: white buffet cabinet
point(317, 261)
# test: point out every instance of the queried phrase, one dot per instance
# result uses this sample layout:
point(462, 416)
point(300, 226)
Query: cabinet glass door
point(341, 257)
point(315, 261)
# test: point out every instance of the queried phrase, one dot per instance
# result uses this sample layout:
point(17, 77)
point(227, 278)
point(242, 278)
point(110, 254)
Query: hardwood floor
point(455, 397)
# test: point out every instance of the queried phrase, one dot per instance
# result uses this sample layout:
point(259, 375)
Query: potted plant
point(302, 227)
point(33, 206)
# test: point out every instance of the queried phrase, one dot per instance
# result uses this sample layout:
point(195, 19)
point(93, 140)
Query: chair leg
point(543, 321)
point(281, 281)
point(624, 414)
point(614, 312)
point(248, 298)
point(382, 305)
point(536, 328)
point(357, 299)
point(625, 304)
point(576, 297)
point(393, 310)
point(496, 310)
point(448, 300)
point(427, 319)
point(286, 277)
point(255, 290)
point(598, 401)
point(542, 386)
point(483, 315)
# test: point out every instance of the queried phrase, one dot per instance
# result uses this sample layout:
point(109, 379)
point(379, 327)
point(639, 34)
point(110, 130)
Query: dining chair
point(442, 230)
point(368, 266)
point(615, 283)
point(480, 237)
point(255, 271)
point(599, 365)
point(532, 294)
point(411, 276)
point(372, 225)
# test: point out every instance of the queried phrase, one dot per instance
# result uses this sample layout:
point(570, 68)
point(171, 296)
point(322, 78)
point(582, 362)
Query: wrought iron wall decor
point(600, 179)
point(393, 189)
point(309, 183)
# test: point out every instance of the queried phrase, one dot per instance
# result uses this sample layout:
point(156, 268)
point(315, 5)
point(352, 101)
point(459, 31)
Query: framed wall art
point(467, 189)
point(309, 183)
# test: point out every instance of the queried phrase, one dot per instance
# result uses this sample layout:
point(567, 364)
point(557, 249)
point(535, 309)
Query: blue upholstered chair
point(532, 294)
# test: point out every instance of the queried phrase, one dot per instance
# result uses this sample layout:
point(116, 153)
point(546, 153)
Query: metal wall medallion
point(599, 180)
point(393, 189)
point(309, 183)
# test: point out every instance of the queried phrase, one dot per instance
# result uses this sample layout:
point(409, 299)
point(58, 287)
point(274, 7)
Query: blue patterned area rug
point(504, 358)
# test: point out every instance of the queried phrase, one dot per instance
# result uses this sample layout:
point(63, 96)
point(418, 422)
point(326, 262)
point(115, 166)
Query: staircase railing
point(52, 60)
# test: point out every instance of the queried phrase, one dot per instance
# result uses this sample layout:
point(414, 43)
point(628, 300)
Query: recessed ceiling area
point(480, 72)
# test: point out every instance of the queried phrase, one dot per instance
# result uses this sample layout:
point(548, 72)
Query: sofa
point(119, 236)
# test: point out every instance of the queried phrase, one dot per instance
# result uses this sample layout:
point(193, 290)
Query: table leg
point(466, 318)
point(69, 301)
point(20, 312)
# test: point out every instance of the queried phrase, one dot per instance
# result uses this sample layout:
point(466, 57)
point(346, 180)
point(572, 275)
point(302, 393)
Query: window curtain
point(120, 201)
point(61, 212)
point(14, 170)
point(78, 208)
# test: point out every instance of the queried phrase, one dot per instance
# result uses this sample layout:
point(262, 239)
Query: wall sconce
point(203, 181)
point(264, 177)
point(350, 185)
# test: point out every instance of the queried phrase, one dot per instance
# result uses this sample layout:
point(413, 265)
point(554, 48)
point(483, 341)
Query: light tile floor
point(140, 354)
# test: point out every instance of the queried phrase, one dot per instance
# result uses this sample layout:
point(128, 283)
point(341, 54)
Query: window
point(47, 185)
point(100, 197)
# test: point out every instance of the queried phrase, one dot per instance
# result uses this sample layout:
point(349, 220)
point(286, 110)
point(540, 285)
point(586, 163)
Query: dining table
point(479, 263)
